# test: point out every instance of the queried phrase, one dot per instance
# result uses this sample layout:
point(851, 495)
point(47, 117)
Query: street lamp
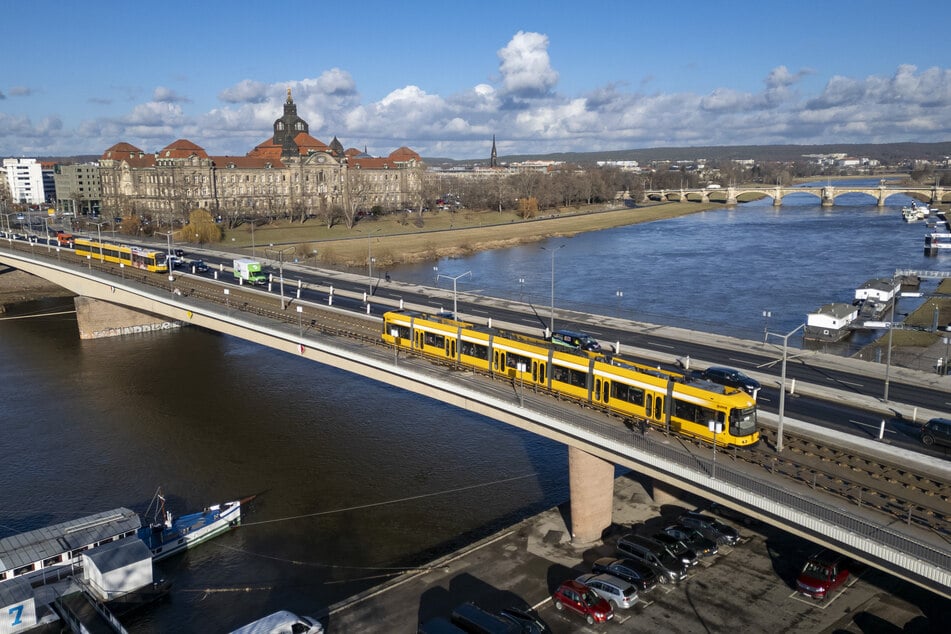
point(716, 427)
point(619, 294)
point(888, 355)
point(521, 289)
point(280, 253)
point(766, 315)
point(436, 274)
point(99, 237)
point(782, 385)
point(369, 260)
point(552, 250)
point(455, 279)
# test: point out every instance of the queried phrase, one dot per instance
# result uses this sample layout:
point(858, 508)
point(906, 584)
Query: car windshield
point(591, 598)
point(816, 571)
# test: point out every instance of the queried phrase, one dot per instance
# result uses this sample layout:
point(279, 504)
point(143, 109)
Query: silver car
point(617, 592)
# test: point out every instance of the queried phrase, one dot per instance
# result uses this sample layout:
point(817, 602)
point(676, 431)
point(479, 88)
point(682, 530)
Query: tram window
point(569, 376)
point(22, 570)
point(470, 349)
point(628, 393)
point(52, 561)
point(513, 360)
point(433, 339)
point(78, 552)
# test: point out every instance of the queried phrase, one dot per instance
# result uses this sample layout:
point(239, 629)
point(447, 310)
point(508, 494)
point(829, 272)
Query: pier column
point(828, 196)
point(97, 319)
point(591, 483)
point(731, 196)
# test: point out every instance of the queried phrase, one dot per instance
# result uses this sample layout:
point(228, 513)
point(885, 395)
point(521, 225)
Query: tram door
point(418, 339)
point(498, 360)
point(538, 372)
point(450, 348)
point(654, 407)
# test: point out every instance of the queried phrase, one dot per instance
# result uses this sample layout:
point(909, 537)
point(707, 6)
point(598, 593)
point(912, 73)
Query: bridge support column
point(99, 319)
point(591, 483)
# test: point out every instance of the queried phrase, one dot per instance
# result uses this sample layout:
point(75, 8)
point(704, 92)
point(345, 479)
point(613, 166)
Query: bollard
point(298, 285)
point(792, 387)
point(881, 430)
point(490, 322)
point(331, 289)
point(269, 287)
point(216, 276)
point(364, 297)
point(401, 304)
point(914, 415)
point(298, 293)
point(330, 300)
point(368, 309)
point(687, 362)
point(617, 347)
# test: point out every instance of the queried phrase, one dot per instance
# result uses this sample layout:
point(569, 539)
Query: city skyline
point(443, 78)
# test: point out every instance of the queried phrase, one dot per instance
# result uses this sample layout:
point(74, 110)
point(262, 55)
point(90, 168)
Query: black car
point(732, 378)
point(701, 545)
point(677, 548)
point(199, 266)
point(937, 431)
point(529, 623)
point(639, 575)
point(710, 527)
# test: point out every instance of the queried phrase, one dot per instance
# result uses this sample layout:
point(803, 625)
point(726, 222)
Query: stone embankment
point(17, 287)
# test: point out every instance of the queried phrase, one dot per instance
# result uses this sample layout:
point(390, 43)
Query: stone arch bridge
point(827, 194)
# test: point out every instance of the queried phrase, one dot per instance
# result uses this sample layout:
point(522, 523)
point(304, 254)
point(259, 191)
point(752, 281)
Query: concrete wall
point(99, 319)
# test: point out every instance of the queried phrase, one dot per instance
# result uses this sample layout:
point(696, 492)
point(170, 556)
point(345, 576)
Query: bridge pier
point(591, 485)
point(98, 319)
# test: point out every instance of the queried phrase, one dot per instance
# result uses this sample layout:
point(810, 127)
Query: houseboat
point(831, 323)
point(874, 297)
point(45, 554)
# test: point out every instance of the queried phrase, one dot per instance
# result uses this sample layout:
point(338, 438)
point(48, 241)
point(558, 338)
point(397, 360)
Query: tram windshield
point(743, 421)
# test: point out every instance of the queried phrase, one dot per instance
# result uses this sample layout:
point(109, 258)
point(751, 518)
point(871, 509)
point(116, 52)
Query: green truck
point(249, 271)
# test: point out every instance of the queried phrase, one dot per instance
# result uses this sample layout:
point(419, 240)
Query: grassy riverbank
point(404, 238)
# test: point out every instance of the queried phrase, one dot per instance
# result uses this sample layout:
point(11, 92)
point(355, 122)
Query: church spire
point(494, 158)
point(288, 127)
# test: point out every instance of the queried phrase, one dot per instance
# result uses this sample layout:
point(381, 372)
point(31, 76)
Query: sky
point(444, 77)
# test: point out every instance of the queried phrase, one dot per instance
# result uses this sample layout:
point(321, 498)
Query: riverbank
point(17, 287)
point(407, 238)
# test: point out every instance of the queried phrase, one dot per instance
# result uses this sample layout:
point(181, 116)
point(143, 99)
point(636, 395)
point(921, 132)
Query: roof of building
point(247, 162)
point(182, 148)
point(43, 543)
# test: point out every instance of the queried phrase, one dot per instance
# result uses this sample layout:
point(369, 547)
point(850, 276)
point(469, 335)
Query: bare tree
point(359, 189)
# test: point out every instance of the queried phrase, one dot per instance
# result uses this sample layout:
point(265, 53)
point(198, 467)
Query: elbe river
point(357, 481)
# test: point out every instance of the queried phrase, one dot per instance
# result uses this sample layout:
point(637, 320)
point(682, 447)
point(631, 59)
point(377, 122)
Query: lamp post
point(888, 355)
point(552, 250)
point(716, 427)
point(436, 274)
point(766, 315)
point(521, 289)
point(619, 294)
point(168, 259)
point(455, 306)
point(782, 385)
point(369, 260)
point(99, 237)
point(280, 253)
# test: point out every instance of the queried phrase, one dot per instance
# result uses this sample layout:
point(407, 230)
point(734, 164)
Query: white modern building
point(24, 178)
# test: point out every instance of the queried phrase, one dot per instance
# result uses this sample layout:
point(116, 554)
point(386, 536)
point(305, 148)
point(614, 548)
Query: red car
point(577, 597)
point(824, 572)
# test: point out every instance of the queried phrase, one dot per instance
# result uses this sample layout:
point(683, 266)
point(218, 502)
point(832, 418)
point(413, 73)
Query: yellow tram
point(136, 257)
point(665, 399)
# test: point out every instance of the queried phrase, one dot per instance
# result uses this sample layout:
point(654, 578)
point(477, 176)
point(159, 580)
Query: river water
point(356, 480)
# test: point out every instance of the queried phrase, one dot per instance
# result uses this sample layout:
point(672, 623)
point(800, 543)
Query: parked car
point(703, 546)
point(529, 622)
point(667, 567)
point(824, 572)
point(580, 599)
point(732, 378)
point(936, 431)
point(637, 573)
point(617, 592)
point(710, 527)
point(472, 618)
point(688, 556)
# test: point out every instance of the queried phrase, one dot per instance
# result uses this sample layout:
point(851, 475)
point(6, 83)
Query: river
point(355, 480)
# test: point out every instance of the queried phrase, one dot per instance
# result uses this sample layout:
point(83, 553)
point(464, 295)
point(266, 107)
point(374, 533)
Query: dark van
point(473, 619)
point(575, 340)
point(667, 567)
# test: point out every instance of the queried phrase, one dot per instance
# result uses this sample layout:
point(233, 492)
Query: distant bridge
point(933, 195)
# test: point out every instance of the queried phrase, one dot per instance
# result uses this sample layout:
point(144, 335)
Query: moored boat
point(915, 212)
point(168, 535)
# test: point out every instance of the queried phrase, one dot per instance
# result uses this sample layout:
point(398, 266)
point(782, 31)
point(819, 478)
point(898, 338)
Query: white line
point(852, 383)
point(890, 431)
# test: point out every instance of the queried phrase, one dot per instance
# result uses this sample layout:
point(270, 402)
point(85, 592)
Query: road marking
point(852, 383)
point(878, 426)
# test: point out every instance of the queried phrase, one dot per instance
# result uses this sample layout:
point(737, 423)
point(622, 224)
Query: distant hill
point(886, 152)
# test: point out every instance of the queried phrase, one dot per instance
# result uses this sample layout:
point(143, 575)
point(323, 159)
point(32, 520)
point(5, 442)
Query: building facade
point(289, 174)
point(24, 177)
point(77, 188)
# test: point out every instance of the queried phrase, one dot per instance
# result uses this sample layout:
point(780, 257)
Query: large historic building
point(291, 173)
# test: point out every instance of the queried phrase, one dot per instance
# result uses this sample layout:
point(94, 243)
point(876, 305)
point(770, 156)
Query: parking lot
point(749, 585)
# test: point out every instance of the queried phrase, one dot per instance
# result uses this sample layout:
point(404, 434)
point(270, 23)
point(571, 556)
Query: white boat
point(916, 212)
point(171, 535)
point(281, 622)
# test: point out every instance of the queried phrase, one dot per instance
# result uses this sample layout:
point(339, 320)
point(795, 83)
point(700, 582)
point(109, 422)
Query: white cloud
point(525, 66)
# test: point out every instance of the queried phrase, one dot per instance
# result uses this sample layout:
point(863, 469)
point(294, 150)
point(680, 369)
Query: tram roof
point(36, 545)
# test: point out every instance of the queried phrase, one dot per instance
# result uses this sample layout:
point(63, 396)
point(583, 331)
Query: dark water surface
point(356, 479)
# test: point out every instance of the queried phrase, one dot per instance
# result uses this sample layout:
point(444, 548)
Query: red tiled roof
point(120, 151)
point(246, 162)
point(404, 154)
point(182, 148)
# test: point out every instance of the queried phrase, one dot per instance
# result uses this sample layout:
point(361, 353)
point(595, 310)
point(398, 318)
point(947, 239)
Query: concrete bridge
point(595, 443)
point(826, 194)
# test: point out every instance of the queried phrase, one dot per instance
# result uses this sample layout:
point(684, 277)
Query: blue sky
point(443, 77)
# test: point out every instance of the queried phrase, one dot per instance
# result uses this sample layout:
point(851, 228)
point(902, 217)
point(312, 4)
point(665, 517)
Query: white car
point(617, 592)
